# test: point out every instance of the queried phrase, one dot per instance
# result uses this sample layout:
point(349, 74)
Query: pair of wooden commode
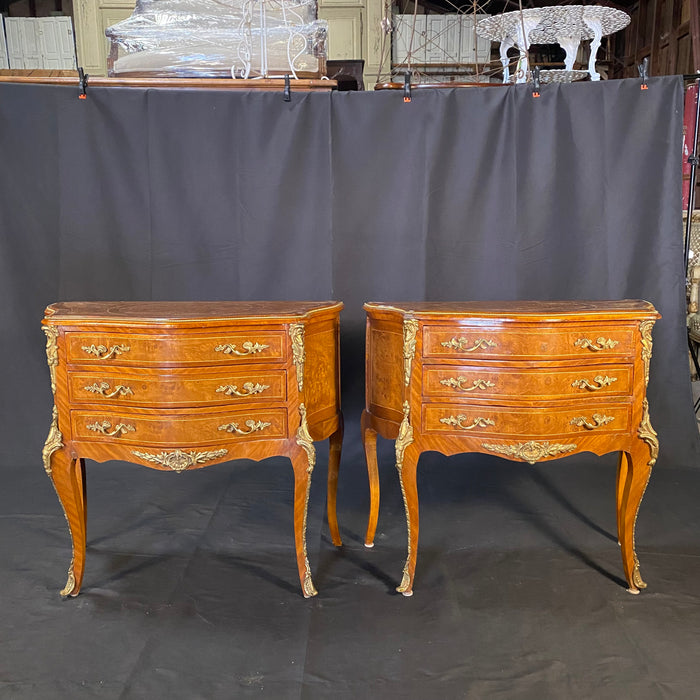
point(182, 385)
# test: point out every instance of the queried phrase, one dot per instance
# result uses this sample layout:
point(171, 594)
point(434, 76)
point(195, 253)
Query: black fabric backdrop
point(191, 589)
point(461, 194)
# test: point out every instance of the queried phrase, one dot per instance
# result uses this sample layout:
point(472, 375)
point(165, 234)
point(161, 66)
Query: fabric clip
point(536, 82)
point(83, 77)
point(643, 69)
point(407, 87)
point(287, 89)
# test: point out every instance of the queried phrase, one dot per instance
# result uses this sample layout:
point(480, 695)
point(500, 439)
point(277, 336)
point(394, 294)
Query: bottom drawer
point(490, 420)
point(191, 429)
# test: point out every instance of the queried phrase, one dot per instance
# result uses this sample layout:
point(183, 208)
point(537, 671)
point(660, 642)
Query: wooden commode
point(182, 385)
point(529, 381)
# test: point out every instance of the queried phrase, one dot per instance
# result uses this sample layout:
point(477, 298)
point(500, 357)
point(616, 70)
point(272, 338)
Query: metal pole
point(693, 160)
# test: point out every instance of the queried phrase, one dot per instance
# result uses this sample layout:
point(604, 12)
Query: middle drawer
point(145, 388)
point(479, 382)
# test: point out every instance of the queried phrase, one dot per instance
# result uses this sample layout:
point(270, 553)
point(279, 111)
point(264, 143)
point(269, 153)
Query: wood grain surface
point(527, 381)
point(176, 386)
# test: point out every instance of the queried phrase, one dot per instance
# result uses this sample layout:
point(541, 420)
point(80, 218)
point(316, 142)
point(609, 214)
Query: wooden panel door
point(4, 60)
point(473, 48)
point(56, 43)
point(23, 42)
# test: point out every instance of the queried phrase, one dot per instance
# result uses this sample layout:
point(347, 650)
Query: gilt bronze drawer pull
point(457, 383)
point(598, 344)
point(600, 382)
point(103, 353)
point(253, 427)
point(249, 348)
point(461, 344)
point(103, 390)
point(249, 389)
point(598, 420)
point(457, 422)
point(104, 427)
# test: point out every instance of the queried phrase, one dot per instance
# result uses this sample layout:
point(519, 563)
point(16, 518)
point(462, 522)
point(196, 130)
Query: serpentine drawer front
point(529, 381)
point(177, 386)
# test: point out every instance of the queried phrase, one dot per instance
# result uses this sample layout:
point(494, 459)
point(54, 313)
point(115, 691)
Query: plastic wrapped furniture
point(219, 38)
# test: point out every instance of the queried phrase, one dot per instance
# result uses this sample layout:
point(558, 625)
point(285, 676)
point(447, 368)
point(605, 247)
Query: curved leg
point(336, 444)
point(570, 46)
point(369, 443)
point(634, 481)
point(622, 468)
point(303, 461)
point(68, 476)
point(595, 45)
point(506, 43)
point(409, 489)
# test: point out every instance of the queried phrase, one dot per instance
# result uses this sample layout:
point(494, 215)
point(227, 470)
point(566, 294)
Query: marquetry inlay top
point(148, 312)
point(539, 310)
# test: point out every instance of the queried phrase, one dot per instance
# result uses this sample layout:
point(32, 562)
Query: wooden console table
point(177, 386)
point(529, 381)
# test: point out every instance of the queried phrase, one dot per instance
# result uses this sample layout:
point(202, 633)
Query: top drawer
point(462, 342)
point(152, 350)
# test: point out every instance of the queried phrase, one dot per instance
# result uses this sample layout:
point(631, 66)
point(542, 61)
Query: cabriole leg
point(335, 446)
point(634, 479)
point(409, 490)
point(369, 443)
point(622, 468)
point(68, 476)
point(303, 463)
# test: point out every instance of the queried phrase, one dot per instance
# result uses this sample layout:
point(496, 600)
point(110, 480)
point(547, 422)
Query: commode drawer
point(470, 382)
point(153, 428)
point(460, 420)
point(596, 342)
point(152, 350)
point(131, 388)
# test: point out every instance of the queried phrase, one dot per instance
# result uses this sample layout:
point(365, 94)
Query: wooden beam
point(653, 44)
point(695, 33)
point(56, 77)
